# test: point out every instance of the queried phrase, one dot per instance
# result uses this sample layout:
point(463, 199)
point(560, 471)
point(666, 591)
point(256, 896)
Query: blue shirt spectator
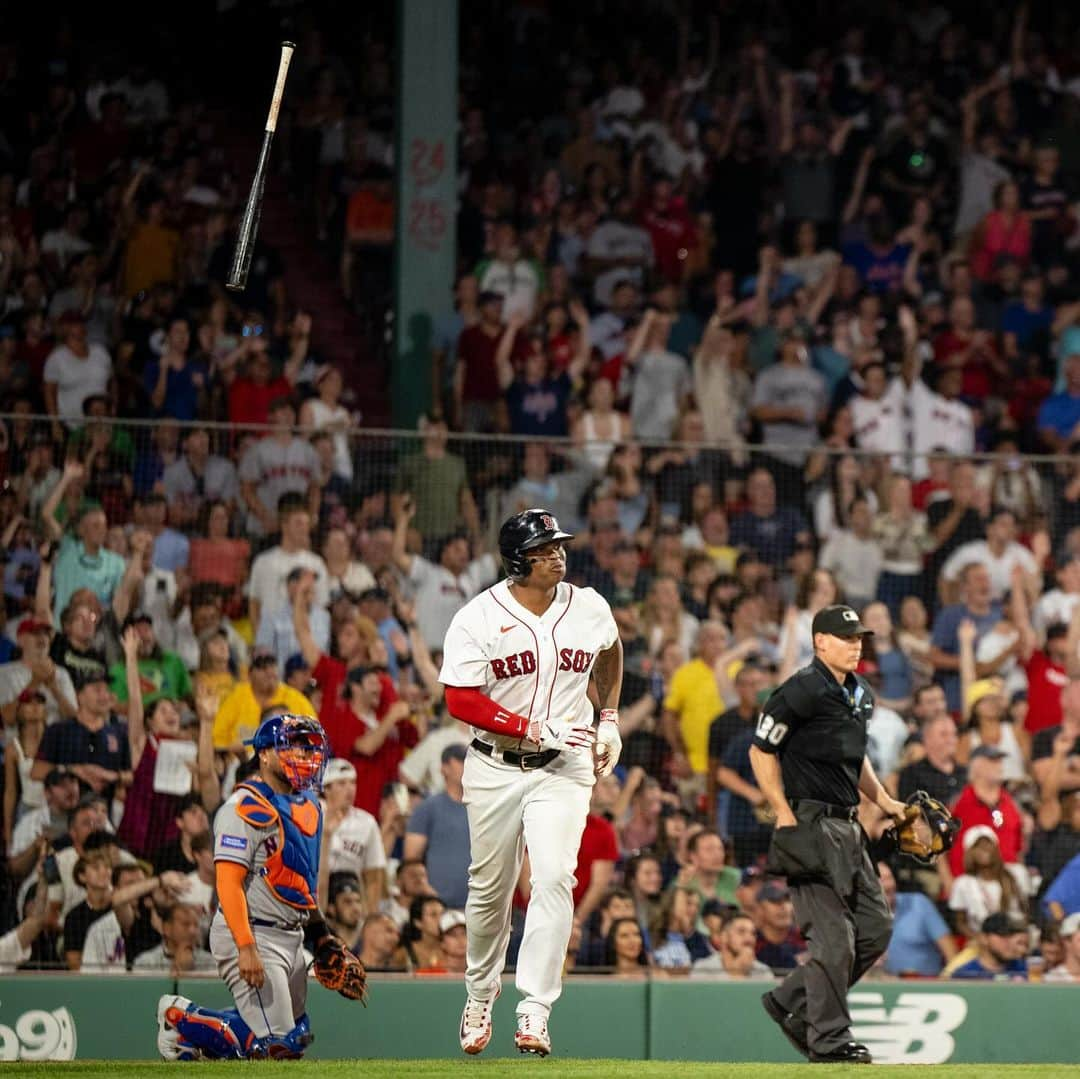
point(438, 832)
point(1060, 412)
point(1062, 898)
point(945, 637)
point(917, 928)
point(276, 631)
point(85, 563)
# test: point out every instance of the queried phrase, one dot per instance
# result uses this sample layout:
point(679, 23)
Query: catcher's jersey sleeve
point(236, 840)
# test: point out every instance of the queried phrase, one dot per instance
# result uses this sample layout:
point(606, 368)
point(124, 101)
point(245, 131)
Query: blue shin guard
point(290, 1046)
point(218, 1035)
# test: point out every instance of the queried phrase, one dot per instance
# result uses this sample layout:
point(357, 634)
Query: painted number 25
point(771, 731)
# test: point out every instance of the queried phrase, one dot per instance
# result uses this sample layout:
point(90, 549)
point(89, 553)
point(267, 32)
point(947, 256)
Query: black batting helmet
point(523, 532)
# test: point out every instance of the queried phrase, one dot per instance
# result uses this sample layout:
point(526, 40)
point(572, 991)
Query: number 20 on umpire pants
point(508, 810)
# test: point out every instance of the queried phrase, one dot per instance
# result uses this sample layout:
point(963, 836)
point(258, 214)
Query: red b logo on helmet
point(548, 522)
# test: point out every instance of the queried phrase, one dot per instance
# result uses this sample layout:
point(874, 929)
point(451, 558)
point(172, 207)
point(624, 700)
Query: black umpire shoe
point(784, 1020)
point(848, 1053)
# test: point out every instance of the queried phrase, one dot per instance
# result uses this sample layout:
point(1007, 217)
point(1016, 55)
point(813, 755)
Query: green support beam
point(426, 195)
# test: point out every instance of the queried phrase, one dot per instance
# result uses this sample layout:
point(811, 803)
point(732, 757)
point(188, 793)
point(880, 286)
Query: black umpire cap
point(839, 620)
point(524, 532)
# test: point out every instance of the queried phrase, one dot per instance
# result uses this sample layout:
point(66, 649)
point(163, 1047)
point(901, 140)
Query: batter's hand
point(250, 965)
point(546, 736)
point(608, 747)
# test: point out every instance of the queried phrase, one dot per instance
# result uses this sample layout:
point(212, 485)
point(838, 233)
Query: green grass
point(550, 1068)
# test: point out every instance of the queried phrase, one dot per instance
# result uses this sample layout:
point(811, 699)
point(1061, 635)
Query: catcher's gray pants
point(275, 1008)
point(841, 911)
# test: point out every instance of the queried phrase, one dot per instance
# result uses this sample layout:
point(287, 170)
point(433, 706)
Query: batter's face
point(548, 565)
point(838, 653)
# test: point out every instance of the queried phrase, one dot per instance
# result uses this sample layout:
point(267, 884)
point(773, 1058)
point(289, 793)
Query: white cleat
point(168, 1039)
point(532, 1035)
point(475, 1029)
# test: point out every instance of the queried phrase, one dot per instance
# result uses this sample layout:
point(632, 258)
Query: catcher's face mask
point(302, 751)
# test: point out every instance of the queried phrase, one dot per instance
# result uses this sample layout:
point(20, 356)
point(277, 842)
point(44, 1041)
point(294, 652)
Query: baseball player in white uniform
point(517, 664)
point(266, 851)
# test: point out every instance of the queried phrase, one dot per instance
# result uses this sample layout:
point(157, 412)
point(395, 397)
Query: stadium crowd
point(742, 309)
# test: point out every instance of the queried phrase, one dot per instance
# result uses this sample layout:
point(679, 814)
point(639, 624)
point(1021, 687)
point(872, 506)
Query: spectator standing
point(276, 630)
point(938, 772)
point(369, 733)
point(162, 674)
point(659, 379)
point(82, 560)
point(241, 711)
point(977, 605)
point(440, 590)
point(267, 587)
point(92, 744)
point(438, 833)
point(351, 835)
point(854, 556)
point(196, 479)
point(279, 464)
point(788, 400)
point(438, 484)
point(176, 383)
point(517, 280)
point(324, 412)
point(476, 379)
point(984, 801)
point(769, 530)
point(74, 371)
point(35, 674)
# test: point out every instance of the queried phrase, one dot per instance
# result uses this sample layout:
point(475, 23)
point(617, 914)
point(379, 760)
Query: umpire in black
point(809, 759)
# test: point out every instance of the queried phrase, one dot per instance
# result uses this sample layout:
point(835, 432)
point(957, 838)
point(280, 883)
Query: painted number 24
point(771, 731)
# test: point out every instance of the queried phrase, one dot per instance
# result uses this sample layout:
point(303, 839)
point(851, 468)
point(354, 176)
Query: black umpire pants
point(840, 909)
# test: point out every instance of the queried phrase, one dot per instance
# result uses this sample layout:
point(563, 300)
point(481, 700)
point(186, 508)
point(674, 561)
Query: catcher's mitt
point(929, 829)
point(337, 968)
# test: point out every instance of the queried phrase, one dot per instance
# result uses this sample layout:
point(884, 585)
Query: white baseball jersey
point(538, 667)
point(357, 844)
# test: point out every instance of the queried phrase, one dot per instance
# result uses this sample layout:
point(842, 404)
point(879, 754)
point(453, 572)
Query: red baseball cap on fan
point(32, 625)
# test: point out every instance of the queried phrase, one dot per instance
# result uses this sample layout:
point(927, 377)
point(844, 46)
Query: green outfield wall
point(64, 1017)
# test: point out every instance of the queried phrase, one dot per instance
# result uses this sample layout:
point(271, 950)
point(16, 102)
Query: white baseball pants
point(509, 810)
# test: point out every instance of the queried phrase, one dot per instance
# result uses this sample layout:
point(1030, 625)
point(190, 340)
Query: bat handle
point(287, 48)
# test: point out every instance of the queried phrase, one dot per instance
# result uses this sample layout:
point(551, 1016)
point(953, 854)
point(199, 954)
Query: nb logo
point(917, 1030)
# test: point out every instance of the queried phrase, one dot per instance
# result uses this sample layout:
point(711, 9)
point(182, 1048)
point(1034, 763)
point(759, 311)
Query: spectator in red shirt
point(1045, 669)
point(667, 220)
point(371, 736)
point(353, 638)
point(972, 350)
point(985, 801)
point(597, 853)
point(477, 393)
point(251, 392)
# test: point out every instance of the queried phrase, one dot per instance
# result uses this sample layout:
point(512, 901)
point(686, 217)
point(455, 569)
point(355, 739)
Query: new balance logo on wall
point(917, 1030)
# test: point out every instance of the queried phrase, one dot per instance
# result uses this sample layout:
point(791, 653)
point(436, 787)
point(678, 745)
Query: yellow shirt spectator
point(238, 716)
point(695, 699)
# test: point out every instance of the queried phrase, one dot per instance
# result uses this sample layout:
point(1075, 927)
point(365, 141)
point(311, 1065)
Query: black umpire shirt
point(819, 729)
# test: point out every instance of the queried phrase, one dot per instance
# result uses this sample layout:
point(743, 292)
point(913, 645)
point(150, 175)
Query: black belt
point(827, 809)
point(264, 924)
point(527, 762)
